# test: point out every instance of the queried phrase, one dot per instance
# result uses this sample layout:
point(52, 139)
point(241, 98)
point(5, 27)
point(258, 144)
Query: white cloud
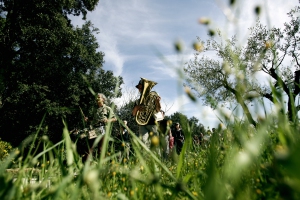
point(183, 104)
point(167, 66)
point(133, 33)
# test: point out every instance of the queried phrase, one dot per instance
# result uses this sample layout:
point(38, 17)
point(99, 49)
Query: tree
point(125, 113)
point(218, 85)
point(229, 76)
point(182, 119)
point(196, 126)
point(43, 60)
point(277, 52)
point(125, 106)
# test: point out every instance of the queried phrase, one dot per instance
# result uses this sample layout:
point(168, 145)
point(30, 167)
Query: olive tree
point(230, 74)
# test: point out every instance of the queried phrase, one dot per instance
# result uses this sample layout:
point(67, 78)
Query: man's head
point(101, 99)
point(140, 85)
point(177, 125)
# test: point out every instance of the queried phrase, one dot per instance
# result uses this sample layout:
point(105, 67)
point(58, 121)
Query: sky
point(138, 37)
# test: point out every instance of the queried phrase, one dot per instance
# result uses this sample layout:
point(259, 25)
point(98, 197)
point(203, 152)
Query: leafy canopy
point(231, 75)
point(43, 60)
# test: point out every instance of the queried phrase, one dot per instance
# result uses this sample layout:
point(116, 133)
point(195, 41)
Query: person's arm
point(157, 106)
point(182, 135)
point(134, 110)
point(101, 121)
point(111, 120)
point(175, 135)
point(137, 108)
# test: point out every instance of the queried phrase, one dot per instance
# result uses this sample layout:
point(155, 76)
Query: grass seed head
point(155, 141)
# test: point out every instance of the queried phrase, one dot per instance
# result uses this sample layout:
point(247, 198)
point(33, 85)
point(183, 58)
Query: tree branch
point(279, 80)
point(297, 82)
point(240, 100)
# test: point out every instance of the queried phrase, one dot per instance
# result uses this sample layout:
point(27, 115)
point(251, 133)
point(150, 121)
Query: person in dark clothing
point(201, 138)
point(178, 137)
point(125, 138)
point(164, 135)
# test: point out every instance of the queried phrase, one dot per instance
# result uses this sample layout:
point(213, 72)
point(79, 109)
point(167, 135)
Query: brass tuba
point(147, 99)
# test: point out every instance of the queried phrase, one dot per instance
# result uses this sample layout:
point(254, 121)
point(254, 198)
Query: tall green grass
point(240, 162)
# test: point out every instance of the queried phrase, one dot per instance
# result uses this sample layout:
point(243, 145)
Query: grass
point(240, 162)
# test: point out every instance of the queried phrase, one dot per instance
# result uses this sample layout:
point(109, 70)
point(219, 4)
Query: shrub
point(5, 149)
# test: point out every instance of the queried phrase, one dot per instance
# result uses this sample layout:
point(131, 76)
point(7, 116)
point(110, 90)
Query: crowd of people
point(170, 139)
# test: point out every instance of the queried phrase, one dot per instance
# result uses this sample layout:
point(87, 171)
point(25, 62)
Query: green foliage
point(5, 149)
point(43, 59)
point(125, 113)
point(231, 75)
point(191, 125)
point(241, 161)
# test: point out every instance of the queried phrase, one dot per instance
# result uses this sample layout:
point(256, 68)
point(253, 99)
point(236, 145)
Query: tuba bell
point(148, 100)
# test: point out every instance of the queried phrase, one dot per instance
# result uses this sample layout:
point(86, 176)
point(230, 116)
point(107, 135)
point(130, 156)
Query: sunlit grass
point(242, 160)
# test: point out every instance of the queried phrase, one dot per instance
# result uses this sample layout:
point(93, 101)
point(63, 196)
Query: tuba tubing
point(148, 100)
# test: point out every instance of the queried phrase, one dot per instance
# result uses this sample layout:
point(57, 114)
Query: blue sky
point(138, 36)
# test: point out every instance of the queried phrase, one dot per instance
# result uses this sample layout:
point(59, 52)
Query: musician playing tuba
point(145, 108)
